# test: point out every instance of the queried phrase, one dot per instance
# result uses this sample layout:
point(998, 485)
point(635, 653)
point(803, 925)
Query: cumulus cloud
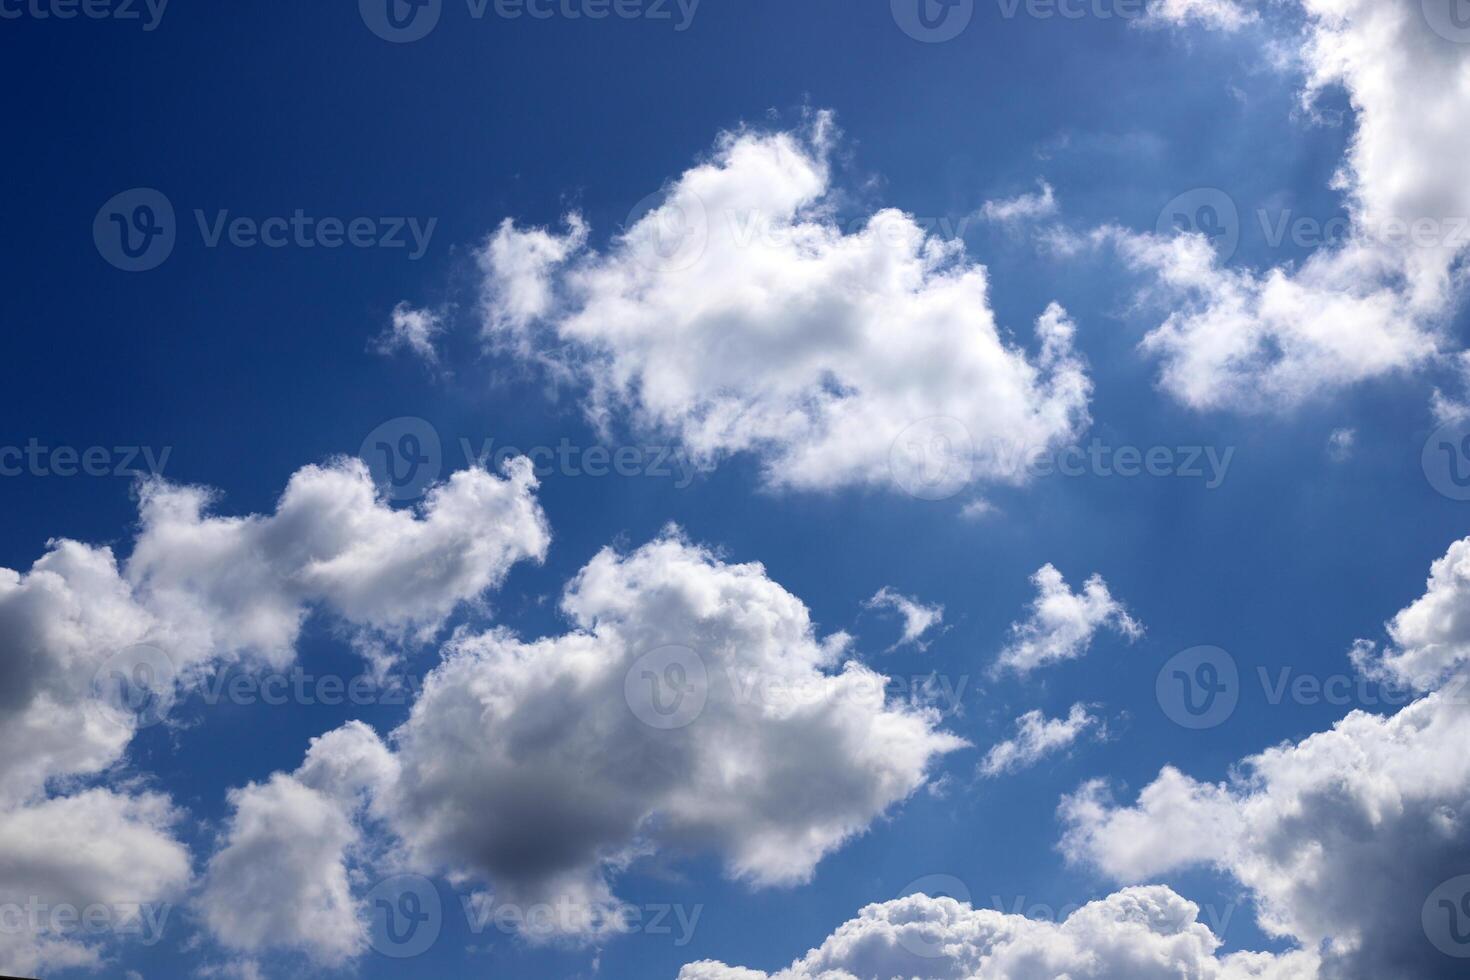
point(1258, 341)
point(245, 585)
point(280, 879)
point(111, 852)
point(918, 619)
point(692, 709)
point(1023, 207)
point(205, 588)
point(1136, 934)
point(1430, 639)
point(1063, 623)
point(738, 316)
point(1373, 305)
point(196, 590)
point(1037, 736)
point(1304, 825)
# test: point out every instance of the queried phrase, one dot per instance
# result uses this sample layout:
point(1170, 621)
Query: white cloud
point(204, 588)
point(1136, 934)
point(918, 618)
point(1063, 623)
point(1374, 305)
point(280, 880)
point(692, 709)
point(1341, 444)
point(738, 316)
point(1267, 341)
point(1037, 736)
point(1223, 15)
point(1024, 207)
point(60, 622)
point(196, 590)
point(978, 509)
point(245, 585)
point(759, 747)
point(413, 330)
point(100, 849)
point(1342, 838)
point(1430, 639)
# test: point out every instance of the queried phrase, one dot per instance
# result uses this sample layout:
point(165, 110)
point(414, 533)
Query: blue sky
point(246, 364)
